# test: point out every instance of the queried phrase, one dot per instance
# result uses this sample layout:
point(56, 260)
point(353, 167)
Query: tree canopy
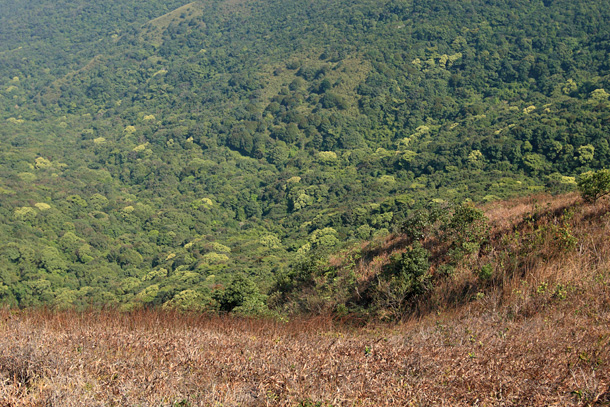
point(152, 151)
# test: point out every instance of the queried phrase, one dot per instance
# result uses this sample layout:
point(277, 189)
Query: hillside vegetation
point(522, 254)
point(534, 330)
point(181, 154)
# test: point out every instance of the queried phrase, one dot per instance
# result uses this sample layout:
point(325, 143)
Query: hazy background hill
point(154, 150)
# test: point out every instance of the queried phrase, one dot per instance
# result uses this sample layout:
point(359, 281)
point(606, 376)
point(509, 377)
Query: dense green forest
point(184, 155)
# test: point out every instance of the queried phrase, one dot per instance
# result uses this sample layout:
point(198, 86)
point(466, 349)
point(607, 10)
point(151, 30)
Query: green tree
point(404, 279)
point(240, 291)
point(594, 185)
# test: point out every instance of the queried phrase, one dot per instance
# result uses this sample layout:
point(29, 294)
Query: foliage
point(486, 272)
point(594, 185)
point(468, 230)
point(241, 295)
point(405, 278)
point(204, 140)
point(463, 228)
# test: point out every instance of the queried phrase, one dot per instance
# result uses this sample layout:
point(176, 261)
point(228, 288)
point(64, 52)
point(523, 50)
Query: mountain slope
point(155, 150)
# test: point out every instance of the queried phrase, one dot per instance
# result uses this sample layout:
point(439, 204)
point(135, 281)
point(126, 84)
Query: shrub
point(241, 292)
point(404, 279)
point(594, 185)
point(486, 272)
point(425, 222)
point(415, 226)
point(467, 230)
point(412, 271)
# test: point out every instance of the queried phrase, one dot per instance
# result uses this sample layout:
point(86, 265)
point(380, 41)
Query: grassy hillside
point(388, 186)
point(522, 253)
point(478, 355)
point(535, 332)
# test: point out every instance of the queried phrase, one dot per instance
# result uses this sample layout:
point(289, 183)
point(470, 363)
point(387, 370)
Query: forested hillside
point(184, 155)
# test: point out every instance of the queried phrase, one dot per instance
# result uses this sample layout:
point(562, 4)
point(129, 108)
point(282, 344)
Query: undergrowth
point(445, 256)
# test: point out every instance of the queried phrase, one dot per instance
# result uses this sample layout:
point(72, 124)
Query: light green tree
point(594, 185)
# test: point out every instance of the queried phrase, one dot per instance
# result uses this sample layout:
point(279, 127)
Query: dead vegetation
point(537, 333)
point(535, 250)
point(476, 356)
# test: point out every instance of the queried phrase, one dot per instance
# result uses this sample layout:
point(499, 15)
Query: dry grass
point(551, 241)
point(537, 335)
point(537, 245)
point(474, 356)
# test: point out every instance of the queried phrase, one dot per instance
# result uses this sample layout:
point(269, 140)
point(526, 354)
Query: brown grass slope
point(535, 334)
point(536, 249)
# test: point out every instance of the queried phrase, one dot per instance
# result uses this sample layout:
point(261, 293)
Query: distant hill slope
point(154, 150)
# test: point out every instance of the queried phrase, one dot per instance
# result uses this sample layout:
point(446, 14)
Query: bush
point(416, 225)
point(463, 227)
point(425, 222)
point(467, 230)
point(412, 270)
point(594, 185)
point(486, 272)
point(241, 292)
point(404, 279)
